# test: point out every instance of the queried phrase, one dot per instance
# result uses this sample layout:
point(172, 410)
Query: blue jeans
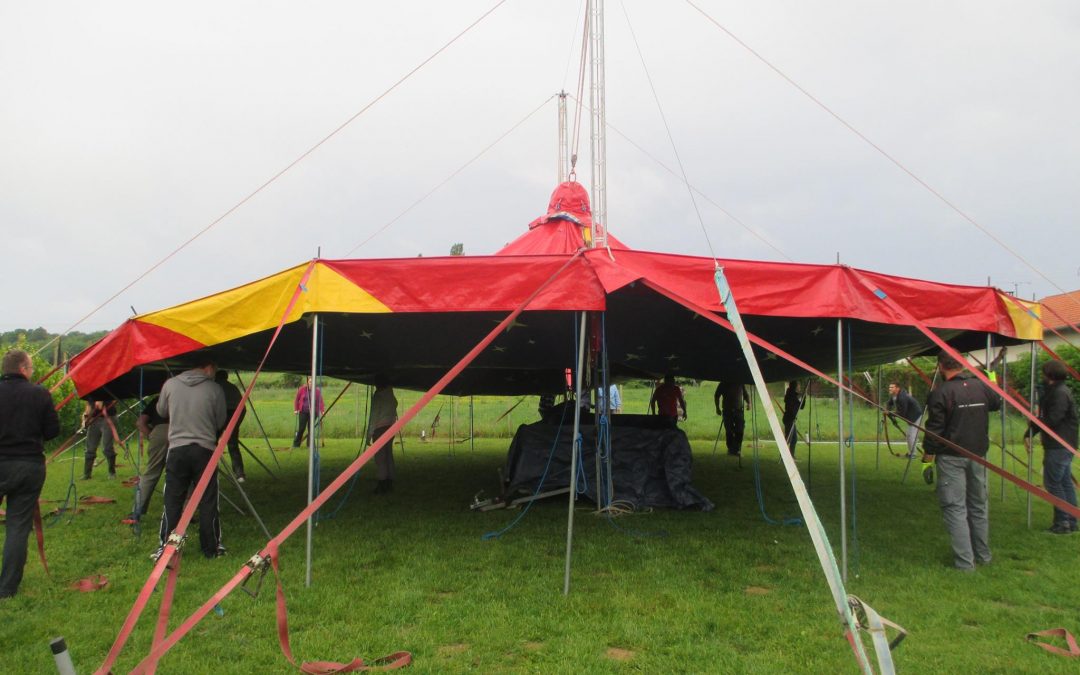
point(1057, 477)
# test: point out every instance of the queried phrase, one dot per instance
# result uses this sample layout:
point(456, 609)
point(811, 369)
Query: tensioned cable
point(667, 128)
point(580, 89)
point(280, 173)
point(880, 150)
point(760, 237)
point(570, 52)
point(451, 176)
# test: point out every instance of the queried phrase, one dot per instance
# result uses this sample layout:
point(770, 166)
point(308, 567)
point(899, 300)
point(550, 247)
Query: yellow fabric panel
point(1027, 327)
point(332, 292)
point(259, 305)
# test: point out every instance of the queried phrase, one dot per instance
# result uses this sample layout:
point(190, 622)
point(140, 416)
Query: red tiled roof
point(1061, 310)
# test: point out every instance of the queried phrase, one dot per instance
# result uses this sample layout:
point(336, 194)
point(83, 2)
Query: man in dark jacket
point(903, 405)
point(1057, 410)
point(232, 402)
point(27, 420)
point(730, 397)
point(195, 407)
point(958, 414)
point(793, 403)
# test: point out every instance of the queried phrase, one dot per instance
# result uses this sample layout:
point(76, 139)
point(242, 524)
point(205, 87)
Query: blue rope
point(495, 534)
point(757, 483)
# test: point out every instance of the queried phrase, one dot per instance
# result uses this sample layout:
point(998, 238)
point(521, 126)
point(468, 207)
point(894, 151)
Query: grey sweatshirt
point(195, 406)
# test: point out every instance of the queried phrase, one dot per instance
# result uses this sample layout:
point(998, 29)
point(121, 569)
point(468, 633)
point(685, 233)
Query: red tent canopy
point(412, 317)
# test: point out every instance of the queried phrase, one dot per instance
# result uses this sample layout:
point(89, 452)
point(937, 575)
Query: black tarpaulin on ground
point(651, 465)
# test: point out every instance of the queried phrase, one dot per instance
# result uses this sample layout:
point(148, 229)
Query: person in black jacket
point(958, 414)
point(27, 420)
point(793, 403)
point(1057, 410)
point(903, 405)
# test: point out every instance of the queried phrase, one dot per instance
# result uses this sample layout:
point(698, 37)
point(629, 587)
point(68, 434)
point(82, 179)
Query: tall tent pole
point(989, 356)
point(564, 140)
point(1031, 449)
point(840, 445)
point(880, 425)
point(598, 122)
point(1005, 386)
point(574, 447)
point(312, 407)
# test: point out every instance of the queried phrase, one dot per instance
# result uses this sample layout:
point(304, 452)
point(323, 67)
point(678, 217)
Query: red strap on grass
point(1074, 649)
point(391, 662)
point(39, 534)
point(91, 499)
point(319, 501)
point(90, 584)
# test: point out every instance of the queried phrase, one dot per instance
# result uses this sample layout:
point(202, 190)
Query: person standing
point(155, 429)
point(383, 416)
point(27, 420)
point(793, 402)
point(232, 402)
point(302, 409)
point(903, 405)
point(195, 407)
point(730, 399)
point(99, 418)
point(615, 400)
point(958, 413)
point(667, 399)
point(1057, 410)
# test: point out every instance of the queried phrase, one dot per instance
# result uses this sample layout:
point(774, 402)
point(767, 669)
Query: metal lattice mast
point(598, 122)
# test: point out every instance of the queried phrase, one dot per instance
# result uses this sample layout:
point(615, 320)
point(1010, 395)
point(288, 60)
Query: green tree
point(457, 249)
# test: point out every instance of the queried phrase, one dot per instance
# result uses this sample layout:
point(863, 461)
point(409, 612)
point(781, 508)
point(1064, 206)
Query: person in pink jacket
point(302, 409)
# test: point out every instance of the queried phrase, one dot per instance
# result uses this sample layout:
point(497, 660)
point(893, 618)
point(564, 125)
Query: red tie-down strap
point(765, 344)
point(391, 662)
point(39, 534)
point(171, 547)
point(91, 499)
point(925, 330)
point(1074, 649)
point(186, 515)
point(90, 584)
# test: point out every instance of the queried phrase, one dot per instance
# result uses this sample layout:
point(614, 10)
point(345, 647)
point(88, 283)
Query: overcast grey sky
point(127, 127)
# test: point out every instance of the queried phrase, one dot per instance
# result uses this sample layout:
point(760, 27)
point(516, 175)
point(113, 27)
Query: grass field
point(715, 592)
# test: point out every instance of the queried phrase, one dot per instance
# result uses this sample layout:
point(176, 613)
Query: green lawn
point(660, 592)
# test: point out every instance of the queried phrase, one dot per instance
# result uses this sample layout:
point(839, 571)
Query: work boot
point(88, 468)
point(112, 466)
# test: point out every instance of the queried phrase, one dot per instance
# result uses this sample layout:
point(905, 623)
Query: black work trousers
point(20, 485)
point(183, 469)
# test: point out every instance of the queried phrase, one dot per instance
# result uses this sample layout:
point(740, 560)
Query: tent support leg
point(258, 421)
point(257, 460)
point(840, 446)
point(1031, 450)
point(312, 406)
point(575, 447)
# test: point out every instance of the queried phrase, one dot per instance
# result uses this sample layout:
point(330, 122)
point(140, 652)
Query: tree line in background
point(32, 339)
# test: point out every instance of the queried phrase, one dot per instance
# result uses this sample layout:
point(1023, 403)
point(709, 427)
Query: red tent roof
point(412, 317)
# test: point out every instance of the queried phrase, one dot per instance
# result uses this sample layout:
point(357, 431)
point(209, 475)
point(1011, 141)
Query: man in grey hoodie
point(195, 407)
